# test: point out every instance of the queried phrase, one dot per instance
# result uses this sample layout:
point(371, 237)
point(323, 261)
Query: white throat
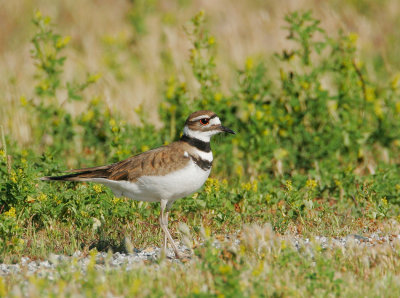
point(200, 135)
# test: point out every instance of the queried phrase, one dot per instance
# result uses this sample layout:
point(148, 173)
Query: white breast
point(170, 187)
point(205, 155)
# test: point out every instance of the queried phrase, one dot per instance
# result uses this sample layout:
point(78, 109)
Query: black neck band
point(201, 145)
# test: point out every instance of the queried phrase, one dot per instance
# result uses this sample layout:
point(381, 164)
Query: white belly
point(155, 188)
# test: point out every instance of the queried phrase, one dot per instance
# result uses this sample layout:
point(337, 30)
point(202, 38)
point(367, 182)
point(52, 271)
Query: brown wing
point(159, 161)
point(155, 162)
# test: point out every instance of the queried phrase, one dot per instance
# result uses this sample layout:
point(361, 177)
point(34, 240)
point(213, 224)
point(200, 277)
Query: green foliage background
point(317, 143)
point(315, 154)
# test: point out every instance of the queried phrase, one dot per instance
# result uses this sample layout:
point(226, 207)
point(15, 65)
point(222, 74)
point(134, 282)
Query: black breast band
point(202, 163)
point(201, 145)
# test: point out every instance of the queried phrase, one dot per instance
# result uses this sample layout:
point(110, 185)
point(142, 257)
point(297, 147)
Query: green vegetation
point(316, 154)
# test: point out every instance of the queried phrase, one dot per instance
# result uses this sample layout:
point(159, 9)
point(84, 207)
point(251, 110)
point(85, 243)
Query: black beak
point(228, 130)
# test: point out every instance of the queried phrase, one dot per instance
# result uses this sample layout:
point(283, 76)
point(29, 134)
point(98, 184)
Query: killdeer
point(164, 174)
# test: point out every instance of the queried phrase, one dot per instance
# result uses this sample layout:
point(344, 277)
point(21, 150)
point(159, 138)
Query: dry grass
point(100, 30)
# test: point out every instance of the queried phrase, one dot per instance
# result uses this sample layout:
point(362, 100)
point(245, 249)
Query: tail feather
point(91, 169)
point(81, 175)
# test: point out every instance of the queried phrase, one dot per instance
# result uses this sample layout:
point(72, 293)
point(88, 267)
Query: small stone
point(24, 260)
point(77, 254)
point(46, 264)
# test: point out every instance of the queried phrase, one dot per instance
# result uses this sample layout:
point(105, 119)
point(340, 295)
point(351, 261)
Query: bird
point(164, 174)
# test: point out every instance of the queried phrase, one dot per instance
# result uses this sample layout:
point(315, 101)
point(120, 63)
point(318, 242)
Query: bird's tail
point(86, 174)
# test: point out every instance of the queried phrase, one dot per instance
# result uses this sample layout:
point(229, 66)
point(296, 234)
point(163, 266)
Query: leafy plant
point(55, 124)
point(305, 157)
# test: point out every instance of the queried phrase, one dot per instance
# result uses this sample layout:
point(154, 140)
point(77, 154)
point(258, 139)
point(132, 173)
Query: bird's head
point(203, 125)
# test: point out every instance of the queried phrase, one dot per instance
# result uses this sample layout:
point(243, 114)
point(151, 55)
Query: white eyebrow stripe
point(200, 117)
point(215, 121)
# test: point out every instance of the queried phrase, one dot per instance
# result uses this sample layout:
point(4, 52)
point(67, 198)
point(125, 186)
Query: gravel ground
point(105, 261)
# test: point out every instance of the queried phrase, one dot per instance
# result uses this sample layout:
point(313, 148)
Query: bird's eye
point(204, 121)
